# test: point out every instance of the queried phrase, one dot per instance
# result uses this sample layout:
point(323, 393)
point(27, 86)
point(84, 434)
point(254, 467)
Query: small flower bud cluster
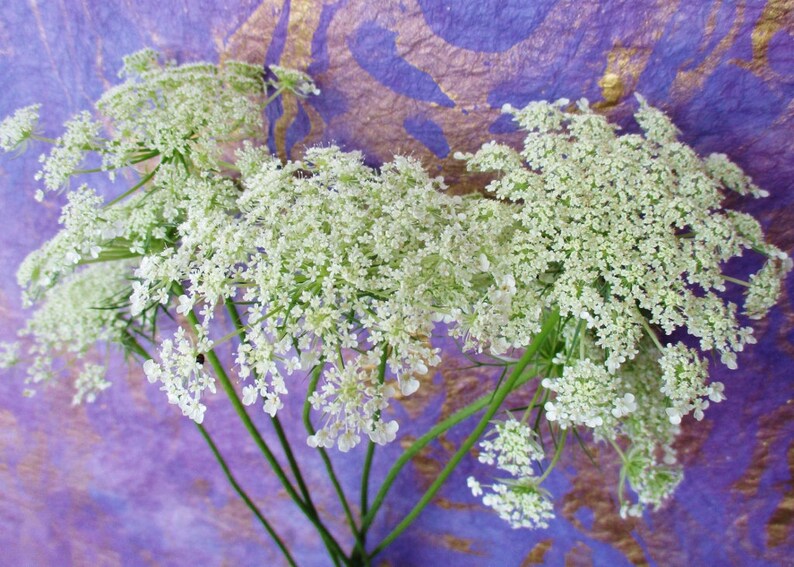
point(353, 401)
point(294, 81)
point(89, 383)
point(514, 449)
point(684, 377)
point(81, 136)
point(15, 130)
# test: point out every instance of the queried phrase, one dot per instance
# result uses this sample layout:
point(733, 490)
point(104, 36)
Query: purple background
point(128, 481)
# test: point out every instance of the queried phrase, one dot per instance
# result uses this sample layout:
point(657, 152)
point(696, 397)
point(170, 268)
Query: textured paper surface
point(128, 481)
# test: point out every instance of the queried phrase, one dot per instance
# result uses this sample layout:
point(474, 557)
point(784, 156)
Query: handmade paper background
point(128, 481)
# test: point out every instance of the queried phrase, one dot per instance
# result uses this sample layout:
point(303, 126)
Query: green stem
point(136, 347)
point(498, 397)
point(52, 141)
point(228, 165)
point(293, 464)
point(282, 437)
point(137, 186)
point(423, 441)
point(307, 422)
point(371, 452)
point(226, 384)
point(242, 494)
point(365, 484)
point(272, 97)
point(138, 159)
point(734, 280)
point(651, 333)
point(531, 406)
point(555, 458)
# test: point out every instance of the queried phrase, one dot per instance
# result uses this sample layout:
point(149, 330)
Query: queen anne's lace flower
point(352, 400)
point(16, 129)
point(182, 375)
point(512, 447)
point(586, 394)
point(347, 270)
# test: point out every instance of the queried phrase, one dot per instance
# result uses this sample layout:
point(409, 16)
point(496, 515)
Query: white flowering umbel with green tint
point(569, 273)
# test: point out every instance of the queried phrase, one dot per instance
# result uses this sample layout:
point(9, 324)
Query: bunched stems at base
point(333, 546)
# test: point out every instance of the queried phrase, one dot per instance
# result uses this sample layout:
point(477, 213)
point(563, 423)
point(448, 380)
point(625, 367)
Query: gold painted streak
point(458, 544)
point(250, 41)
point(34, 7)
point(777, 15)
point(377, 119)
point(304, 17)
point(780, 527)
point(425, 463)
point(537, 554)
point(579, 555)
point(771, 427)
point(687, 83)
point(447, 504)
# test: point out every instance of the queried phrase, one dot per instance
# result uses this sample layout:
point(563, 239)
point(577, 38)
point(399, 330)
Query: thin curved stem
point(365, 484)
point(138, 159)
point(242, 494)
point(138, 349)
point(282, 437)
point(734, 280)
point(228, 388)
point(357, 533)
point(371, 453)
point(146, 178)
point(440, 428)
point(651, 334)
point(498, 397)
point(555, 458)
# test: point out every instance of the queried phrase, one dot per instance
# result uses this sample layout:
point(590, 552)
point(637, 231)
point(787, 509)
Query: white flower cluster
point(627, 236)
point(684, 376)
point(181, 113)
point(352, 399)
point(70, 319)
point(15, 130)
point(81, 137)
point(9, 354)
point(514, 449)
point(614, 229)
point(90, 382)
point(765, 285)
point(346, 270)
point(588, 395)
point(363, 285)
point(294, 81)
point(649, 465)
point(181, 372)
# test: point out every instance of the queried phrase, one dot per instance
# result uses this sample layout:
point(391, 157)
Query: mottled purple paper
point(128, 481)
